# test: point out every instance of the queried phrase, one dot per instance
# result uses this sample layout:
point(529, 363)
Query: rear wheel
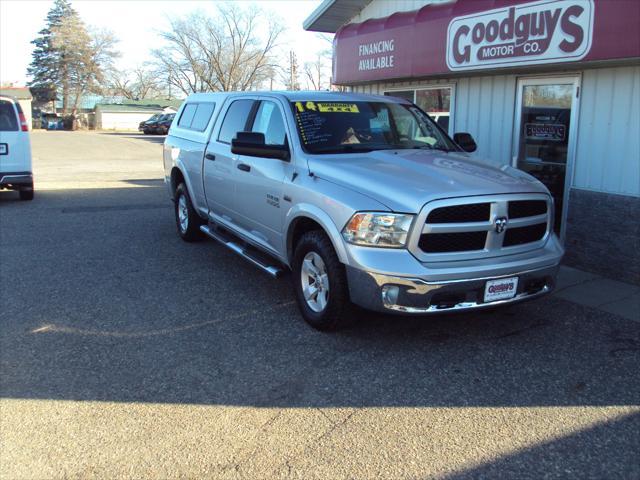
point(188, 221)
point(26, 193)
point(320, 283)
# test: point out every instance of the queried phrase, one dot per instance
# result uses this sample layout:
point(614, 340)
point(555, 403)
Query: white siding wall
point(608, 141)
point(608, 150)
point(120, 121)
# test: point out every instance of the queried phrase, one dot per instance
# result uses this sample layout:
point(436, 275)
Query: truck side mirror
point(253, 144)
point(465, 141)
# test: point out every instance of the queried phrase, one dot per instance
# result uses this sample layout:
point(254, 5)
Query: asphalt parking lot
point(126, 353)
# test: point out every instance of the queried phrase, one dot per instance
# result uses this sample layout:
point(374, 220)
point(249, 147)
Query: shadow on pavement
point(102, 301)
point(572, 456)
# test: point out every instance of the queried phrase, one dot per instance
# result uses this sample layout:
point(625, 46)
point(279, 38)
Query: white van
point(15, 149)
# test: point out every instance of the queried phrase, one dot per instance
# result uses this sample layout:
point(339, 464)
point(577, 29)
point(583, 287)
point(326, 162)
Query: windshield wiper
point(443, 149)
point(350, 148)
point(429, 147)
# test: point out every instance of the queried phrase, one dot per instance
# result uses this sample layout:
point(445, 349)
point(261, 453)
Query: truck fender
point(187, 181)
point(323, 219)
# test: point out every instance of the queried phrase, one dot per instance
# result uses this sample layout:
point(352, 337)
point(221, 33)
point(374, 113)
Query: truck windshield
point(347, 127)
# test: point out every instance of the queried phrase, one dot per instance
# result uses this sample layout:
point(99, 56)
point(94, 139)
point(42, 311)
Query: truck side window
point(187, 115)
point(235, 120)
point(269, 121)
point(202, 116)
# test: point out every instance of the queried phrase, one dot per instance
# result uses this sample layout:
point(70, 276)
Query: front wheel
point(320, 283)
point(188, 221)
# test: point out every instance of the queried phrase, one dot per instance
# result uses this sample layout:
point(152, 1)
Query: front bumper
point(16, 180)
point(415, 296)
point(449, 287)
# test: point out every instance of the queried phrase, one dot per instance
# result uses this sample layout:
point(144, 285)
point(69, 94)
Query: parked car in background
point(15, 149)
point(162, 127)
point(151, 127)
point(363, 198)
point(152, 119)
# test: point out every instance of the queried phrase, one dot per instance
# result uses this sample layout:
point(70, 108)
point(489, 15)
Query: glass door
point(545, 135)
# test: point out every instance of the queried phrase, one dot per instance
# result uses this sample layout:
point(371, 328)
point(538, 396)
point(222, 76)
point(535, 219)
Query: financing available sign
point(530, 33)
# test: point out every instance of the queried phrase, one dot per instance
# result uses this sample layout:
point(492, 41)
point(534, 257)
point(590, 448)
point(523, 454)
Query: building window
point(436, 101)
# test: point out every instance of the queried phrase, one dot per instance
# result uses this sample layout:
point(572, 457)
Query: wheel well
point(176, 179)
point(300, 226)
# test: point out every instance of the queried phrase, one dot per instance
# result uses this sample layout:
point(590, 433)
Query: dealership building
point(551, 87)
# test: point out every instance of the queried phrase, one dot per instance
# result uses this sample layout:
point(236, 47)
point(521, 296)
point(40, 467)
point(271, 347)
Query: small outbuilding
point(126, 116)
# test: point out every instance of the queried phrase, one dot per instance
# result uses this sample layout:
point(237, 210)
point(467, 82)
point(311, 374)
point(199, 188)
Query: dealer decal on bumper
point(501, 289)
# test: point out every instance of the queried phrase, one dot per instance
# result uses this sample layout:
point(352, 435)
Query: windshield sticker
point(338, 107)
point(324, 107)
point(311, 126)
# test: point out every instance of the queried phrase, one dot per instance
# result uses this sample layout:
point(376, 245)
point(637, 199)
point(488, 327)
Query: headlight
point(378, 229)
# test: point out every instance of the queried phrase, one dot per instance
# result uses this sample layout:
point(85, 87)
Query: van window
point(269, 121)
point(235, 120)
point(8, 118)
point(187, 115)
point(202, 116)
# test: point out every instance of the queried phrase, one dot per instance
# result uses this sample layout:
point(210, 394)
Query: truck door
point(219, 170)
point(260, 181)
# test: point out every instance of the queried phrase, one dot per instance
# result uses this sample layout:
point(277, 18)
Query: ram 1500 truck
point(363, 198)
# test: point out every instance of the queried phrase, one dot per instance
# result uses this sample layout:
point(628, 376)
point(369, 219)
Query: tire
point(26, 194)
point(330, 308)
point(188, 221)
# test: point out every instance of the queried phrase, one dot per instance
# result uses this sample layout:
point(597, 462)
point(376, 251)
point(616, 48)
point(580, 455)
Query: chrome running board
point(254, 257)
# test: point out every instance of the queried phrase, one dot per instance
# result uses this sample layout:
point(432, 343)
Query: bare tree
point(85, 58)
point(318, 72)
point(233, 51)
point(136, 84)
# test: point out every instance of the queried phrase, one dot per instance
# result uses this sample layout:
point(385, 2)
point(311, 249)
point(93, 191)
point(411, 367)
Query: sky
point(135, 23)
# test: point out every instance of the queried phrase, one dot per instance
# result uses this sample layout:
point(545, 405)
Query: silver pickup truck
point(364, 198)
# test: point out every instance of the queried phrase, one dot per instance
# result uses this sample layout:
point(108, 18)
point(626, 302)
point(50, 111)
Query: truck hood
point(404, 180)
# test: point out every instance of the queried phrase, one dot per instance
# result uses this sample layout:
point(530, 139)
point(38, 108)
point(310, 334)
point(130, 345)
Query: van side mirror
point(253, 144)
point(465, 141)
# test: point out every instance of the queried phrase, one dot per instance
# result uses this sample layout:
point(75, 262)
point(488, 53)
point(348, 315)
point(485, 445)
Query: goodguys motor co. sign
point(531, 33)
point(483, 35)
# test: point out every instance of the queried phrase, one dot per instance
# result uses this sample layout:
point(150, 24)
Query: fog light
point(390, 294)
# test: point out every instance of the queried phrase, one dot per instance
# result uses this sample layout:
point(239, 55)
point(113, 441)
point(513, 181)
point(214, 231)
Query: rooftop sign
point(532, 33)
point(473, 35)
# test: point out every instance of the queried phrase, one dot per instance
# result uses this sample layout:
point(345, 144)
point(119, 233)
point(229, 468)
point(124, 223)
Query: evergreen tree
point(46, 69)
point(68, 58)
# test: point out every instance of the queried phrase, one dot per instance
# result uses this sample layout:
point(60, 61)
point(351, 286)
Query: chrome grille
point(467, 227)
